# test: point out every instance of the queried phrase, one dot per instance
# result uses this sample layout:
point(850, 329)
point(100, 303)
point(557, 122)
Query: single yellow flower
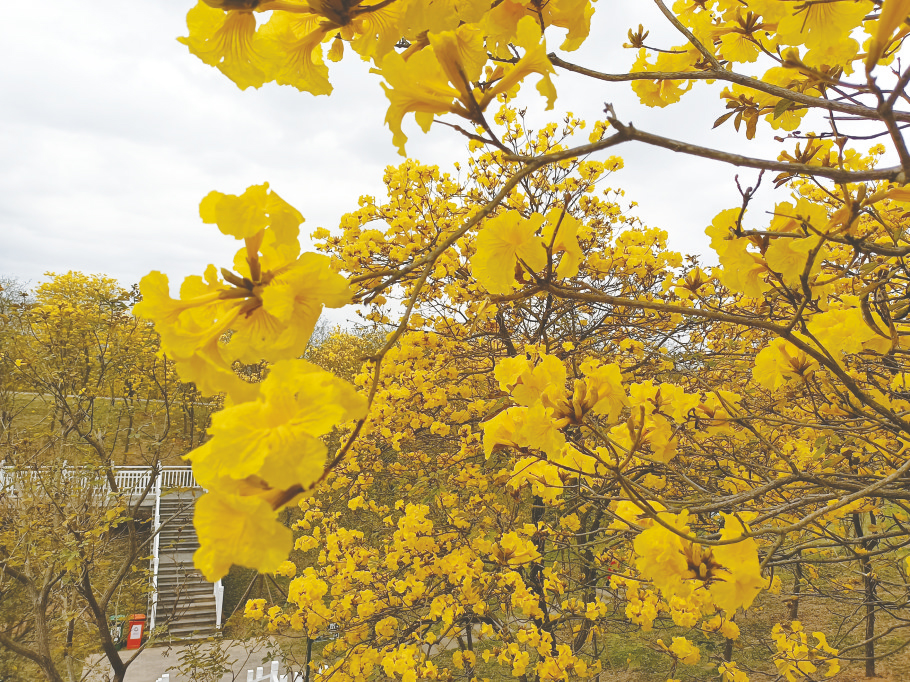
point(743, 581)
point(535, 60)
point(298, 52)
point(267, 311)
point(419, 86)
point(685, 651)
point(277, 436)
point(227, 40)
point(238, 530)
point(817, 23)
point(662, 558)
point(893, 14)
point(461, 55)
point(503, 242)
point(560, 234)
point(438, 77)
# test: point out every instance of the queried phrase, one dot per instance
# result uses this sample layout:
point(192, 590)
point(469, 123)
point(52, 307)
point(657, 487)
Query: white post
point(155, 558)
point(249, 675)
point(273, 673)
point(219, 603)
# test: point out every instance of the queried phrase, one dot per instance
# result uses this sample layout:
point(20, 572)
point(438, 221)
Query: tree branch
point(731, 77)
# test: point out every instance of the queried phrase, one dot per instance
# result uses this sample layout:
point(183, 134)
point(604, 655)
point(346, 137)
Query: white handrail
point(131, 479)
point(136, 478)
point(153, 595)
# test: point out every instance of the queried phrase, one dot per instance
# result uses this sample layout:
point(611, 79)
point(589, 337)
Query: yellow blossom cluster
point(265, 446)
point(447, 48)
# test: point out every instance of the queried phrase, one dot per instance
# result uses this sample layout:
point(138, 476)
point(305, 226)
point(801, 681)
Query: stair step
point(184, 584)
point(179, 545)
point(182, 607)
point(195, 590)
point(166, 591)
point(187, 617)
point(190, 623)
point(185, 535)
point(175, 545)
point(180, 577)
point(202, 607)
point(193, 631)
point(167, 564)
point(183, 589)
point(188, 627)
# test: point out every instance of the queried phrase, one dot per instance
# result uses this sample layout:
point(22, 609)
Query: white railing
point(136, 478)
point(131, 479)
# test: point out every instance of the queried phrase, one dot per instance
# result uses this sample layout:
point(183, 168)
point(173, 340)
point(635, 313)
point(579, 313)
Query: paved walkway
point(154, 662)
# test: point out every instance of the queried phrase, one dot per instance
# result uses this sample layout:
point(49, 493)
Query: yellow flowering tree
point(85, 391)
point(569, 431)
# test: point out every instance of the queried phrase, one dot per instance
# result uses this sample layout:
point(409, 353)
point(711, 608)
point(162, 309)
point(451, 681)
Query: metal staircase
point(182, 600)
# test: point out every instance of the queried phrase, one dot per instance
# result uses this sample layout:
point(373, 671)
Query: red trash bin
point(136, 630)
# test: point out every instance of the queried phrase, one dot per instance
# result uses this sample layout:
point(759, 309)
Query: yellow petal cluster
point(449, 44)
point(266, 310)
point(265, 447)
point(725, 576)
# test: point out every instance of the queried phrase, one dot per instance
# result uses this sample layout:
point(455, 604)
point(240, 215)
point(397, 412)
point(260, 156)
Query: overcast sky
point(111, 133)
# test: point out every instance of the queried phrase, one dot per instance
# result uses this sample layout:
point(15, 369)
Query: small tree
point(89, 392)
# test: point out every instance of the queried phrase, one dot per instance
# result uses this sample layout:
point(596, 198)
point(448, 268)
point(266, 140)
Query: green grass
point(36, 423)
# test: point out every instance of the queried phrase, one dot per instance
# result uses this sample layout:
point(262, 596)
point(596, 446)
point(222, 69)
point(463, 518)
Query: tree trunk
point(869, 596)
point(797, 587)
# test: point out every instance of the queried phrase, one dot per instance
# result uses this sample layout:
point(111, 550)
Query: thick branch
point(101, 625)
point(893, 174)
point(732, 77)
point(9, 643)
point(627, 133)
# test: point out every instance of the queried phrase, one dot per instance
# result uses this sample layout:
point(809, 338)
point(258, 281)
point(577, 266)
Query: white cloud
point(112, 133)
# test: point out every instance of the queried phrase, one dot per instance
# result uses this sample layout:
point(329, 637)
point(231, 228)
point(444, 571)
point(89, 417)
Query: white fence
point(128, 479)
point(259, 676)
point(135, 479)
